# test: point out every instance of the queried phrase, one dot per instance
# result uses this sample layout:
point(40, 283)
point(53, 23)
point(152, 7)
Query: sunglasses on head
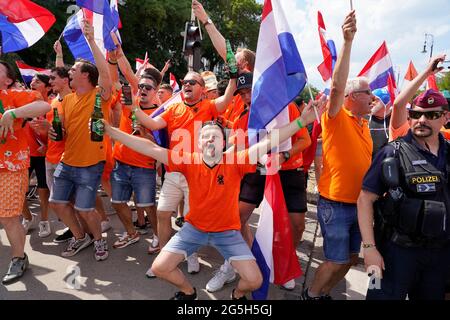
point(430, 115)
point(146, 87)
point(192, 82)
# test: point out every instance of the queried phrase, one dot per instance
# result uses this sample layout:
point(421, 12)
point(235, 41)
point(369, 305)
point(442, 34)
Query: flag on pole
point(98, 13)
point(28, 72)
point(273, 247)
point(411, 73)
point(378, 68)
point(139, 63)
point(174, 83)
point(392, 88)
point(22, 24)
point(114, 7)
point(431, 83)
point(279, 74)
point(328, 50)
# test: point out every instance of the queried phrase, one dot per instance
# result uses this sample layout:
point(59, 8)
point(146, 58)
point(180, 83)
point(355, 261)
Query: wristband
point(112, 62)
point(299, 124)
point(59, 56)
point(13, 115)
point(368, 245)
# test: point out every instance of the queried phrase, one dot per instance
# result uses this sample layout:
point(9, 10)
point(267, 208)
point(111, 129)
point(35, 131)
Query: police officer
point(405, 195)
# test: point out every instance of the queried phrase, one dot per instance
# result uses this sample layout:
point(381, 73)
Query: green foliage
point(444, 82)
point(155, 26)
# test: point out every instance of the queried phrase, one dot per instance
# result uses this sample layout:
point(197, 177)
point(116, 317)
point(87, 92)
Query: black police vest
point(419, 214)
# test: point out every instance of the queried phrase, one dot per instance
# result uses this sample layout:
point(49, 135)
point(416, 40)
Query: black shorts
point(292, 181)
point(38, 165)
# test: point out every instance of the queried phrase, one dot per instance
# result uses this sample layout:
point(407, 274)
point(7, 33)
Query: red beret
point(431, 99)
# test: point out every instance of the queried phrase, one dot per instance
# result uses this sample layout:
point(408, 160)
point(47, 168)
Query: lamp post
point(425, 43)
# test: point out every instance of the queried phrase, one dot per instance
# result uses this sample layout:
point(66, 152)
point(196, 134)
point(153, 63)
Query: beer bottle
point(97, 127)
point(134, 124)
point(57, 125)
point(2, 111)
point(231, 61)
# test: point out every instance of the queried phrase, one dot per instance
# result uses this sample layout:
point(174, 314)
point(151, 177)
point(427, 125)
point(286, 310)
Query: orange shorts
point(13, 187)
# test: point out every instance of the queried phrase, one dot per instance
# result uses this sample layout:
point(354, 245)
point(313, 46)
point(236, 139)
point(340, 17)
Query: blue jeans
point(229, 243)
point(340, 230)
point(125, 179)
point(80, 182)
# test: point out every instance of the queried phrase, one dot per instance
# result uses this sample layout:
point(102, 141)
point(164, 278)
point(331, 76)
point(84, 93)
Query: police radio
point(390, 172)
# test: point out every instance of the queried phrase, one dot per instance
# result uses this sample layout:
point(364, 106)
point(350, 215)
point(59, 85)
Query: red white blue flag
point(273, 247)
point(328, 50)
point(174, 83)
point(28, 72)
point(22, 24)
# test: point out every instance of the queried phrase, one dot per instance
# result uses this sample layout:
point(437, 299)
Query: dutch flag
point(28, 72)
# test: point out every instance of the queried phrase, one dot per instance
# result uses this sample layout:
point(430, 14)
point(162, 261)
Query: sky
point(402, 24)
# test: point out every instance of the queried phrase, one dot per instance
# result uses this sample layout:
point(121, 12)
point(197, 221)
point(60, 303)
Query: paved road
point(122, 276)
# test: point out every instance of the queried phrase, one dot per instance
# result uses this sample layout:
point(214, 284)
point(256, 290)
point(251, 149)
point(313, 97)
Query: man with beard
point(409, 184)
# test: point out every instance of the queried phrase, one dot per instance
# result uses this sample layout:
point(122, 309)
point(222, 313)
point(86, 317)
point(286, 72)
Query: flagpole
point(351, 5)
point(312, 99)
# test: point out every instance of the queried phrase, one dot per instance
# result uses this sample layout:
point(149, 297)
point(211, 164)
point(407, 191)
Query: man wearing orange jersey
point(14, 162)
point(213, 219)
point(345, 132)
point(81, 167)
point(134, 172)
point(183, 121)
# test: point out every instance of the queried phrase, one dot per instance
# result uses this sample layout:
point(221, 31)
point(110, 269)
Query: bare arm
point(104, 78)
point(277, 136)
point(372, 258)
point(127, 71)
point(216, 37)
point(59, 60)
point(144, 119)
point(399, 112)
point(341, 71)
point(141, 145)
point(31, 110)
point(224, 101)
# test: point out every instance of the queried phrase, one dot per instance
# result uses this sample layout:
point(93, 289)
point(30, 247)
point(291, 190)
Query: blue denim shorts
point(189, 239)
point(340, 230)
point(78, 182)
point(126, 179)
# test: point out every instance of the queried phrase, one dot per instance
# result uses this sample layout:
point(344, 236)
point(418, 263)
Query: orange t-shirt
point(80, 151)
point(347, 154)
point(55, 149)
point(234, 109)
point(15, 152)
point(296, 160)
point(214, 195)
point(239, 132)
point(126, 155)
point(399, 132)
point(35, 139)
point(181, 116)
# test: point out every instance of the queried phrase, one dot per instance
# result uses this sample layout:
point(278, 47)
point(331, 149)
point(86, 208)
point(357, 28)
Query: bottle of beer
point(231, 61)
point(2, 111)
point(134, 124)
point(97, 127)
point(57, 125)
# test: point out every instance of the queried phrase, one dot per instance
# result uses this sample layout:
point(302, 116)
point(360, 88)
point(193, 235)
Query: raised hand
point(349, 27)
point(88, 30)
point(199, 11)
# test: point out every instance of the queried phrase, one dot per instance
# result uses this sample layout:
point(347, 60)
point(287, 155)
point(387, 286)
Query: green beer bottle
point(231, 61)
point(134, 124)
point(57, 125)
point(97, 127)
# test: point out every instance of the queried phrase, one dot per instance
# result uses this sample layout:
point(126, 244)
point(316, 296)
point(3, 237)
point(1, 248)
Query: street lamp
point(425, 43)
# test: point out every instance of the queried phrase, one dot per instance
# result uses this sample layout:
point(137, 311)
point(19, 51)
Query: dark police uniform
point(412, 226)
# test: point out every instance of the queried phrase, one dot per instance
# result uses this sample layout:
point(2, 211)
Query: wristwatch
point(209, 21)
point(368, 245)
point(286, 155)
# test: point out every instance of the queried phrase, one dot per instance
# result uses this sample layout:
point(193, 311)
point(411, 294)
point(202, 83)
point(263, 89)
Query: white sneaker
point(290, 285)
point(44, 229)
point(150, 274)
point(29, 224)
point(105, 226)
point(193, 264)
point(224, 275)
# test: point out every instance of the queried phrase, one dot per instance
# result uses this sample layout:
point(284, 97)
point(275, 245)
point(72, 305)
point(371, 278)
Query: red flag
point(328, 50)
point(174, 83)
point(431, 83)
point(392, 88)
point(411, 73)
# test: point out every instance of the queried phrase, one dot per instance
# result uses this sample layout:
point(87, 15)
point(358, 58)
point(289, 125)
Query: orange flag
point(411, 73)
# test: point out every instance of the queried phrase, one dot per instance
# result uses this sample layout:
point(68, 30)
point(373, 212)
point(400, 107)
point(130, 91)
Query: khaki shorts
point(174, 189)
point(13, 187)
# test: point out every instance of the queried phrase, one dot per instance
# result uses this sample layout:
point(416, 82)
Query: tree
point(444, 82)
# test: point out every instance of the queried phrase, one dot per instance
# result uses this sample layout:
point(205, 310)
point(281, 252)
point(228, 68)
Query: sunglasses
point(192, 82)
point(430, 115)
point(367, 91)
point(146, 87)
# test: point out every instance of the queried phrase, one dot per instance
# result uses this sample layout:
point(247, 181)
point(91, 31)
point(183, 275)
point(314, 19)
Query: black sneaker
point(179, 221)
point(180, 295)
point(306, 296)
point(243, 298)
point(16, 269)
point(66, 236)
